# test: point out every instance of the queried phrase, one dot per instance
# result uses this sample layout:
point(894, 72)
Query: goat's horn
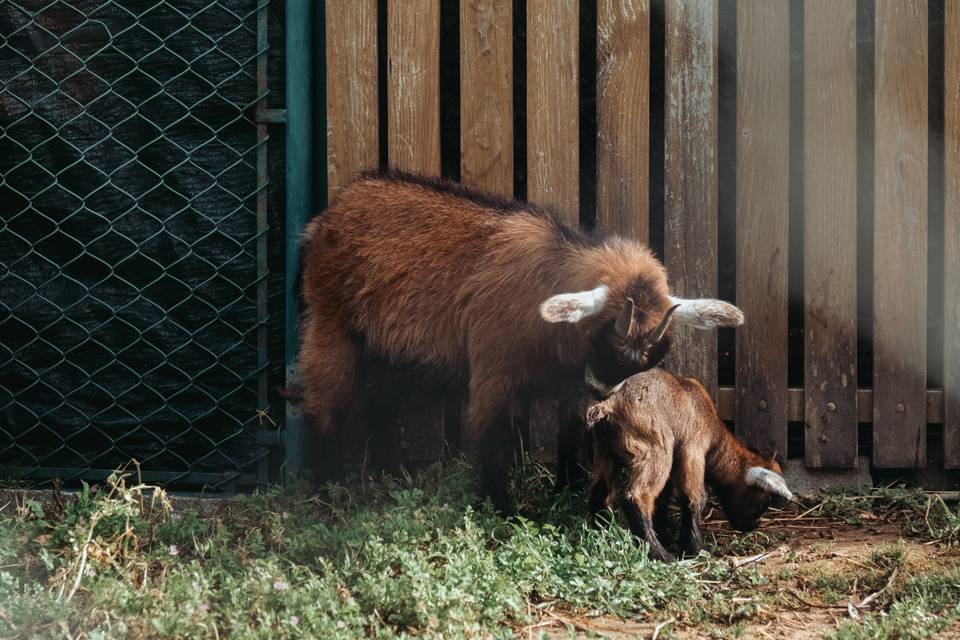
point(768, 480)
point(661, 329)
point(625, 321)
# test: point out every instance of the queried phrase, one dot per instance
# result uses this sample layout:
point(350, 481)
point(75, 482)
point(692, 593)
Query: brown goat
point(409, 270)
point(665, 431)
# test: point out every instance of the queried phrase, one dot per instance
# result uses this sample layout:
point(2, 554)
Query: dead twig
point(660, 626)
point(873, 596)
point(814, 605)
point(575, 624)
point(760, 557)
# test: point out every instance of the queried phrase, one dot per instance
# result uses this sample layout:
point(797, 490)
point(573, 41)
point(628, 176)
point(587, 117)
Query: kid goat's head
point(632, 332)
point(761, 486)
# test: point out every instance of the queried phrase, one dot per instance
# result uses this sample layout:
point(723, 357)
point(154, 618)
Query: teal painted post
point(299, 200)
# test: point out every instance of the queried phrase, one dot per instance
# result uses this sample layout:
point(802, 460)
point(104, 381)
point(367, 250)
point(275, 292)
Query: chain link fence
point(133, 266)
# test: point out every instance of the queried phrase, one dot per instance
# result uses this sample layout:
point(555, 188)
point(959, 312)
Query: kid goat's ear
point(769, 481)
point(573, 307)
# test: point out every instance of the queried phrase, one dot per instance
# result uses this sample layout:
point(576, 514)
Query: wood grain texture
point(951, 209)
point(934, 404)
point(623, 117)
point(763, 92)
point(413, 144)
point(552, 111)
point(486, 94)
point(690, 211)
point(552, 149)
point(413, 81)
point(830, 233)
point(351, 64)
point(900, 234)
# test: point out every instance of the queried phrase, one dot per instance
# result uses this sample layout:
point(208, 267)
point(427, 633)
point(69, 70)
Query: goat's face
point(761, 486)
point(637, 334)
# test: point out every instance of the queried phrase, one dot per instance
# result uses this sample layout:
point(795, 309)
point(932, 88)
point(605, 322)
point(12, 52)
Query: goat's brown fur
point(426, 272)
point(666, 433)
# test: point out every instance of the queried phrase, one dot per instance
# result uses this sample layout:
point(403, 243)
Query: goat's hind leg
point(692, 504)
point(647, 481)
point(328, 376)
point(661, 515)
point(603, 489)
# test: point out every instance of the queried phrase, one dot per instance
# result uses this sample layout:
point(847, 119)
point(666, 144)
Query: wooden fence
point(801, 156)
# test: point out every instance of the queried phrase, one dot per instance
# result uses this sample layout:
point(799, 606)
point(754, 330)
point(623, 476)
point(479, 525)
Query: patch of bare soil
point(817, 573)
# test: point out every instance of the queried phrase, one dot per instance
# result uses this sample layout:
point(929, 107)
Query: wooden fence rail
point(863, 107)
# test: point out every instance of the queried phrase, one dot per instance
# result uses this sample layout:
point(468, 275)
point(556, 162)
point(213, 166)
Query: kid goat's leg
point(604, 486)
point(647, 481)
point(690, 473)
point(661, 518)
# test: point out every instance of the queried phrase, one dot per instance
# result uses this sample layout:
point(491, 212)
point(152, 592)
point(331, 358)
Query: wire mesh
point(129, 241)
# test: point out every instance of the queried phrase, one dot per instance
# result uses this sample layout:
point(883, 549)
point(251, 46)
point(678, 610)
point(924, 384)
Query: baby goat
point(664, 430)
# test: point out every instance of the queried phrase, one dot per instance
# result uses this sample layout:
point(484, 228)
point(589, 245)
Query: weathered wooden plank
point(552, 147)
point(763, 92)
point(413, 79)
point(413, 144)
point(934, 404)
point(900, 234)
point(552, 111)
point(623, 117)
point(951, 211)
point(352, 121)
point(486, 100)
point(690, 211)
point(830, 232)
point(486, 94)
point(351, 62)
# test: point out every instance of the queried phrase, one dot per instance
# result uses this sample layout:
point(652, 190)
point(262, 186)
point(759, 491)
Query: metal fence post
point(299, 201)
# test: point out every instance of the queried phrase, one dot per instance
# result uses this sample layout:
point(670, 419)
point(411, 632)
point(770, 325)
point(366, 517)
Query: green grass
point(409, 556)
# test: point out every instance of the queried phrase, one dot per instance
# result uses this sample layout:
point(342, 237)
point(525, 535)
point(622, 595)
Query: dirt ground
point(811, 567)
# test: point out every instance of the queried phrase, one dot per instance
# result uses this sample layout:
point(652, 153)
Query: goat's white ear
point(573, 307)
point(706, 313)
point(768, 480)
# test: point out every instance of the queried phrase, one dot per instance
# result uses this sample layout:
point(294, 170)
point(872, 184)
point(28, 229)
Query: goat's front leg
point(487, 438)
point(692, 503)
point(571, 437)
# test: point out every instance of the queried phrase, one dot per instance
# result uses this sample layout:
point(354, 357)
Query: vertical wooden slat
point(552, 112)
point(830, 232)
point(351, 60)
point(352, 116)
point(763, 93)
point(552, 145)
point(900, 234)
point(623, 117)
point(486, 94)
point(413, 139)
point(951, 224)
point(690, 212)
point(413, 77)
point(486, 99)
